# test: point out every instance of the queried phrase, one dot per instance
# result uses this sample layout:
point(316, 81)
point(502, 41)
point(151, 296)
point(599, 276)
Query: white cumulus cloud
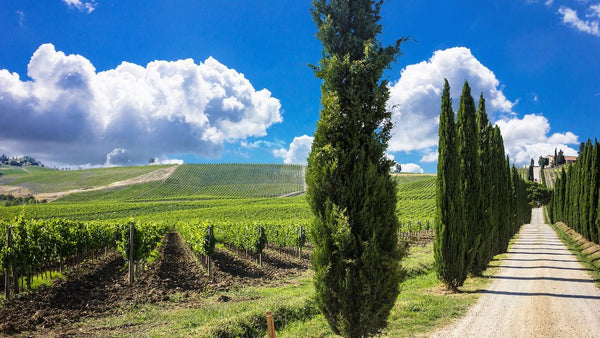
point(84, 6)
point(526, 138)
point(571, 18)
point(411, 168)
point(415, 97)
point(297, 152)
point(69, 113)
point(430, 157)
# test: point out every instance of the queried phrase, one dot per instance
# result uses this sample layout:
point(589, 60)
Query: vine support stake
point(131, 265)
point(270, 325)
point(8, 263)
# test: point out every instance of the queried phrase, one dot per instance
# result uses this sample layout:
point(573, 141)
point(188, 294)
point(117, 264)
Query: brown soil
point(99, 288)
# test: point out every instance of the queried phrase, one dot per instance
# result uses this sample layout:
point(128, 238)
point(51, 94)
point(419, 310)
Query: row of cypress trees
point(576, 198)
point(480, 201)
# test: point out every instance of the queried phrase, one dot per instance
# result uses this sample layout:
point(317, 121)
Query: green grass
point(587, 252)
point(44, 180)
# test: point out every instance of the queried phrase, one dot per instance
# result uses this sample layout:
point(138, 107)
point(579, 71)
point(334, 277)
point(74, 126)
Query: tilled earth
point(98, 288)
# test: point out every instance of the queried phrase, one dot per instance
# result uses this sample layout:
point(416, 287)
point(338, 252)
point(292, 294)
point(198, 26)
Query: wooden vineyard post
point(208, 264)
point(131, 265)
point(270, 325)
point(8, 263)
point(300, 248)
point(260, 235)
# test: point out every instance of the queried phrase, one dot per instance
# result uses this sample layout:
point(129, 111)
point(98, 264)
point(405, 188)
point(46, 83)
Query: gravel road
point(541, 290)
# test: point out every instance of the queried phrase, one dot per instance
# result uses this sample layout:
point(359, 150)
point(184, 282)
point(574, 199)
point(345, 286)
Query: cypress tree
point(356, 257)
point(593, 192)
point(450, 229)
point(500, 194)
point(483, 252)
point(561, 158)
point(542, 163)
point(530, 176)
point(598, 217)
point(469, 174)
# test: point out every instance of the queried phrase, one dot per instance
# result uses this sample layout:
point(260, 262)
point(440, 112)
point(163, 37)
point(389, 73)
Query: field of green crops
point(206, 181)
point(44, 180)
point(211, 193)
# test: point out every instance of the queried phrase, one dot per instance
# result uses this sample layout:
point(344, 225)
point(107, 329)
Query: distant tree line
point(481, 201)
point(10, 200)
point(576, 198)
point(19, 161)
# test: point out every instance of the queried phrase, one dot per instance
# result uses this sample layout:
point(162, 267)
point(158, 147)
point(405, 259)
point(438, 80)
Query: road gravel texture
point(540, 290)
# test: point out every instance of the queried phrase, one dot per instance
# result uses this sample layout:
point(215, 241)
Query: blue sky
point(107, 82)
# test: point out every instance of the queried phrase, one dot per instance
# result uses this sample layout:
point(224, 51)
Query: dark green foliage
point(530, 176)
point(538, 195)
point(576, 198)
point(485, 228)
point(469, 172)
point(542, 162)
point(481, 201)
point(560, 158)
point(356, 256)
point(450, 229)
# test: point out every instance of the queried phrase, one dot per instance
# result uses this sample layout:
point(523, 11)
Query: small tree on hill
point(560, 158)
point(530, 176)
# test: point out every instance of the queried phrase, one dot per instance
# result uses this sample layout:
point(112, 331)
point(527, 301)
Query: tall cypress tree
point(356, 256)
point(530, 176)
point(450, 230)
point(469, 174)
point(500, 193)
point(593, 191)
point(486, 226)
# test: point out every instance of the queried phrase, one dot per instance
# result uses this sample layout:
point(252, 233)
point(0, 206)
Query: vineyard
point(224, 222)
point(202, 181)
point(44, 180)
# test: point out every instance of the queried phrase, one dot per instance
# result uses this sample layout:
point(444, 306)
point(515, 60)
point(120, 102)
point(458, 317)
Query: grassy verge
point(587, 252)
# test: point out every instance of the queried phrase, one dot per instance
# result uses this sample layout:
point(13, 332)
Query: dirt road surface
point(541, 290)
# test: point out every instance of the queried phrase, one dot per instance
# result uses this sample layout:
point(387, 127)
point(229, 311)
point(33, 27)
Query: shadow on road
point(536, 294)
point(541, 267)
point(556, 279)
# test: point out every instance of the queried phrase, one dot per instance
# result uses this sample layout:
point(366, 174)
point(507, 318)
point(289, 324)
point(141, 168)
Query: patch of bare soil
point(15, 190)
point(156, 175)
point(91, 289)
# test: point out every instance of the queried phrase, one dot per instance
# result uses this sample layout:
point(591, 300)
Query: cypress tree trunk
point(450, 229)
point(349, 189)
